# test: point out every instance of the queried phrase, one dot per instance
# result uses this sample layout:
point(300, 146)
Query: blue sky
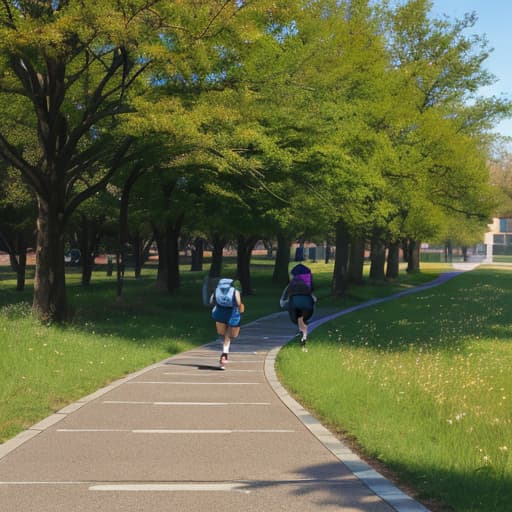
point(494, 20)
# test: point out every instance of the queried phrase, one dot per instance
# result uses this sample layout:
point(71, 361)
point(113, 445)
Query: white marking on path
point(184, 403)
point(196, 383)
point(208, 374)
point(199, 487)
point(172, 488)
point(174, 431)
point(44, 483)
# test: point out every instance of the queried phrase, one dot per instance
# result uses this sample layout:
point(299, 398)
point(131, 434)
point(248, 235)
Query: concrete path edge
point(380, 485)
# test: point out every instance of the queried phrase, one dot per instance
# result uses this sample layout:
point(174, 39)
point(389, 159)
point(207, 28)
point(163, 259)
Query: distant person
point(227, 313)
point(298, 298)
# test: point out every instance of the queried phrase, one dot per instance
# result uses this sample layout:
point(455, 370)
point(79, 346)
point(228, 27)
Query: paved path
point(181, 435)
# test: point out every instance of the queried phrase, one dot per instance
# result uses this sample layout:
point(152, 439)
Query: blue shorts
point(301, 306)
point(229, 316)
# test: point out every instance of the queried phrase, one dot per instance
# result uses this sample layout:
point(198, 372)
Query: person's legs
point(231, 332)
point(303, 327)
point(224, 331)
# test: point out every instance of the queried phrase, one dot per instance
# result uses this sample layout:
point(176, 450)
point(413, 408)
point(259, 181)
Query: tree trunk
point(21, 271)
point(378, 258)
point(340, 276)
point(269, 247)
point(448, 252)
point(49, 303)
point(89, 240)
point(218, 244)
point(172, 235)
point(137, 255)
point(196, 264)
point(405, 250)
point(280, 275)
point(87, 259)
point(413, 260)
point(163, 271)
point(123, 227)
point(243, 262)
point(18, 258)
point(327, 252)
point(356, 263)
point(393, 264)
point(464, 253)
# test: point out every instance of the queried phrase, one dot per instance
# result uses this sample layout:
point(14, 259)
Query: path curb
point(380, 485)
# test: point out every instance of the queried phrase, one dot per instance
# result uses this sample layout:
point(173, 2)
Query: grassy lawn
point(423, 385)
point(43, 368)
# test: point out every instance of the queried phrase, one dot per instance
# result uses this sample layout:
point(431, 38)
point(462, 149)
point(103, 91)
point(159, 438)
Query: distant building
point(498, 241)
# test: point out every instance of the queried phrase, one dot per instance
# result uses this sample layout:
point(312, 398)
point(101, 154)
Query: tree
point(17, 222)
point(67, 68)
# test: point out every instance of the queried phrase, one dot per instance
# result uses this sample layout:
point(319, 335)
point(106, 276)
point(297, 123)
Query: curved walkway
point(182, 436)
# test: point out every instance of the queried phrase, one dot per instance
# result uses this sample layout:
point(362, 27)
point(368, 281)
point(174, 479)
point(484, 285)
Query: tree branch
point(33, 178)
point(116, 162)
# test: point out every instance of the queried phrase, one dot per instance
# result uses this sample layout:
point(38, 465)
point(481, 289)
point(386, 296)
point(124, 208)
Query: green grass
point(43, 368)
point(396, 398)
point(422, 384)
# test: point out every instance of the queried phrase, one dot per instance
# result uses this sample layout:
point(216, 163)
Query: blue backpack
point(225, 293)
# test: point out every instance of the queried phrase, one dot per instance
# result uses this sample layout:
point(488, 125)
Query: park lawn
point(43, 368)
point(422, 384)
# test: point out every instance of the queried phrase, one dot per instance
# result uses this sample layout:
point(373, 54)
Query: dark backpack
point(298, 286)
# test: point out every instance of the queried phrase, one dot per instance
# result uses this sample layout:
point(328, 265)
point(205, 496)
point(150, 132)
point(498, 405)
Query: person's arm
point(284, 298)
point(238, 300)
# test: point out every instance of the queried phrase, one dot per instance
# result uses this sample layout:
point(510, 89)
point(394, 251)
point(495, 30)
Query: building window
point(505, 225)
point(499, 240)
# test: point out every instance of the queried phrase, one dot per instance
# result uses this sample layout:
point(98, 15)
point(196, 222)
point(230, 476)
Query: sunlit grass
point(423, 383)
point(45, 367)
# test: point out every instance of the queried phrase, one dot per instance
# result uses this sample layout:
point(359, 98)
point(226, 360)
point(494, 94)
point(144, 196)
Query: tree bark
point(269, 247)
point(393, 263)
point(327, 252)
point(378, 258)
point(86, 257)
point(49, 303)
point(172, 236)
point(21, 271)
point(340, 276)
point(17, 249)
point(196, 264)
point(413, 260)
point(405, 250)
point(136, 244)
point(356, 263)
point(243, 262)
point(280, 275)
point(123, 227)
point(162, 272)
point(90, 236)
point(448, 252)
point(218, 244)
